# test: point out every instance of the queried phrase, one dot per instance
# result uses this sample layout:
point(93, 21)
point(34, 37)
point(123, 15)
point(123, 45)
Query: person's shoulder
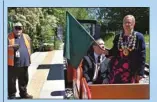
point(139, 35)
point(86, 61)
point(27, 36)
point(88, 57)
point(10, 35)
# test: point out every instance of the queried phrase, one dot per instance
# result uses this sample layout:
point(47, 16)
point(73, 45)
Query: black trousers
point(22, 75)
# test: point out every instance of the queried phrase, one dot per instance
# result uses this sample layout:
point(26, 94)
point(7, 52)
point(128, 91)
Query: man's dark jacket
point(89, 68)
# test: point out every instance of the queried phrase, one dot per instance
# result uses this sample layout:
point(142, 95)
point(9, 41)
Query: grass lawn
point(147, 40)
point(109, 44)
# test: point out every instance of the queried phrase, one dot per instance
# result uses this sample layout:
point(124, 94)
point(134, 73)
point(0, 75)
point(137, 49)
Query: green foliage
point(48, 47)
point(148, 55)
point(57, 44)
point(112, 17)
point(147, 41)
point(38, 24)
point(108, 39)
point(147, 38)
point(79, 13)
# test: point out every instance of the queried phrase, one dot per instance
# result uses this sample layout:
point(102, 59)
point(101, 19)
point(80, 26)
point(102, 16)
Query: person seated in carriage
point(95, 65)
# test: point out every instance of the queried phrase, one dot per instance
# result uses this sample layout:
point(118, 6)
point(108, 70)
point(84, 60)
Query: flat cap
point(17, 24)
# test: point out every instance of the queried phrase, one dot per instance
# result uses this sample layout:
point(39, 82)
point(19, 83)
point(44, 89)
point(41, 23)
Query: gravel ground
point(69, 93)
point(145, 80)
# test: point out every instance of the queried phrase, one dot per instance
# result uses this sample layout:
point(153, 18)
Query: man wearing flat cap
point(19, 51)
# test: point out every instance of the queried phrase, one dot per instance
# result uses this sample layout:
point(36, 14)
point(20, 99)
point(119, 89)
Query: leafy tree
point(112, 17)
point(41, 23)
point(38, 24)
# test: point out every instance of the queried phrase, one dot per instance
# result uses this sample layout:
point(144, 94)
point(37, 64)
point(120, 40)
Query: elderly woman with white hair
point(129, 52)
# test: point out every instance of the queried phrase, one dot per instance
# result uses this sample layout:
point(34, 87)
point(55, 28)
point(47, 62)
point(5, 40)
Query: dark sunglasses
point(18, 28)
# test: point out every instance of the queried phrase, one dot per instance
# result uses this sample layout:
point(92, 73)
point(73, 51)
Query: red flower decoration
point(125, 65)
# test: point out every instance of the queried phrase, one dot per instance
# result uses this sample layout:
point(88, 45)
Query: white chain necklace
point(127, 45)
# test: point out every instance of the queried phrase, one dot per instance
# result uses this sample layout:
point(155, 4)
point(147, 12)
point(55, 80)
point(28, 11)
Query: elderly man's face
point(18, 30)
point(97, 48)
point(128, 24)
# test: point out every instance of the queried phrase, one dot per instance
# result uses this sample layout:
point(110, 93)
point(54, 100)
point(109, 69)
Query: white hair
point(98, 41)
point(129, 16)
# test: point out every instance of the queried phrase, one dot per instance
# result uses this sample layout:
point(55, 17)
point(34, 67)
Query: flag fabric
point(77, 41)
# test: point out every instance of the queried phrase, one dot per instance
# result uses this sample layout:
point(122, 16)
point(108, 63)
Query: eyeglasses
point(103, 47)
point(18, 28)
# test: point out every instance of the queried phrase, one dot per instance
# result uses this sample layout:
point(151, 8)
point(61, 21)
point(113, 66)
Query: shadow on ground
point(58, 93)
point(56, 71)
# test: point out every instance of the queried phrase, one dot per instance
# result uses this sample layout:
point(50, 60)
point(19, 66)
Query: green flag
point(77, 41)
